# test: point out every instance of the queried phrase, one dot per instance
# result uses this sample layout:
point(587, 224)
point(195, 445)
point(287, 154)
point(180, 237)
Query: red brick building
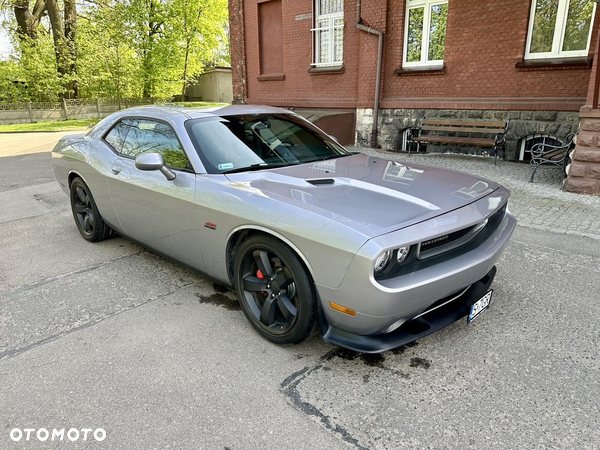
point(525, 60)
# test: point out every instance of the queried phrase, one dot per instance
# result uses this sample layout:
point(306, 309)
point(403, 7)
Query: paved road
point(110, 335)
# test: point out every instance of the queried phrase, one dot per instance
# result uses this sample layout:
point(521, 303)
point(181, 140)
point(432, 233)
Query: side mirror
point(153, 161)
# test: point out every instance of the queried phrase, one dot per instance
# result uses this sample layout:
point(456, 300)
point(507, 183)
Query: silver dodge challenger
point(311, 236)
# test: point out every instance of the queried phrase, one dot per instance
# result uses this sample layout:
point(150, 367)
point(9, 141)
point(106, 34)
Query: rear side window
point(116, 136)
point(135, 136)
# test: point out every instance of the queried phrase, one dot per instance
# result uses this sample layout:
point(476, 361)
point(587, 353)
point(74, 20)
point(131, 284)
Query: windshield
point(233, 143)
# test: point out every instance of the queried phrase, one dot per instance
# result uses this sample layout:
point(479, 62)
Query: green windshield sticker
point(225, 166)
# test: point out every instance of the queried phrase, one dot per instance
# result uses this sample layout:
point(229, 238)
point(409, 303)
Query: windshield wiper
point(259, 166)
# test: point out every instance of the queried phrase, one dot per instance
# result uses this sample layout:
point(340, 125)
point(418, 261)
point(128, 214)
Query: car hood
point(371, 195)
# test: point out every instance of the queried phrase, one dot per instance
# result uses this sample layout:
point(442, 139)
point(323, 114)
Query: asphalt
point(111, 336)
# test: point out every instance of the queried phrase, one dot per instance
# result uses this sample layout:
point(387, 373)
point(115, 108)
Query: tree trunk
point(65, 46)
point(70, 36)
point(27, 21)
point(185, 69)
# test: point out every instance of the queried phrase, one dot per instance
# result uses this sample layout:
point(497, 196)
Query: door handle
point(116, 169)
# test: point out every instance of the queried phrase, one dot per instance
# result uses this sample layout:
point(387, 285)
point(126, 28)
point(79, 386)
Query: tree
point(200, 31)
point(118, 48)
point(63, 24)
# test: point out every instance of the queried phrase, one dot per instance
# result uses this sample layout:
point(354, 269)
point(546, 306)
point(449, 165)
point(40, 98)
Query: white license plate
point(480, 306)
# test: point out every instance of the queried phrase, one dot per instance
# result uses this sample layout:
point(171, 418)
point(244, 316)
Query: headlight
point(382, 261)
point(402, 254)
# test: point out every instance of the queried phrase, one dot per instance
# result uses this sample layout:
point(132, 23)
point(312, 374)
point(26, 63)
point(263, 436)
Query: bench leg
point(495, 155)
point(533, 171)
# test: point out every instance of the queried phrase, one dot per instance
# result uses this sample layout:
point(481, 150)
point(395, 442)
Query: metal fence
point(88, 108)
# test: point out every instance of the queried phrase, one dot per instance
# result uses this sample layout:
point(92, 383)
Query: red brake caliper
point(262, 277)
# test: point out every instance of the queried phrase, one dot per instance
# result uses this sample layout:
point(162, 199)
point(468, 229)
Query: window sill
point(326, 69)
point(271, 77)
point(422, 70)
point(555, 63)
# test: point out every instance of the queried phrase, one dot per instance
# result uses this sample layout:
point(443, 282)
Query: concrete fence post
point(98, 107)
point(30, 112)
point(64, 102)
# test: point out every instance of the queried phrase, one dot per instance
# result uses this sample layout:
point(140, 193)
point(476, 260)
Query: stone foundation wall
point(523, 124)
point(584, 172)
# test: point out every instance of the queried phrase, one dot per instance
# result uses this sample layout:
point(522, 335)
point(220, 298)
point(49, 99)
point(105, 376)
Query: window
point(116, 136)
point(131, 137)
point(560, 28)
point(328, 33)
point(527, 142)
point(232, 143)
point(425, 32)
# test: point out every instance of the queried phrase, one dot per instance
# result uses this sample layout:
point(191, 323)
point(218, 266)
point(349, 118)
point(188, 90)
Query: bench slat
point(466, 123)
point(480, 142)
point(554, 155)
point(464, 129)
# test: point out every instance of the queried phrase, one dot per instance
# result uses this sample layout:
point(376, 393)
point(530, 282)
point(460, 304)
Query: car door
point(151, 209)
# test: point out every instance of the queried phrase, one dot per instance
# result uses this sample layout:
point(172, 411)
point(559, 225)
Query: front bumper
point(411, 330)
point(386, 304)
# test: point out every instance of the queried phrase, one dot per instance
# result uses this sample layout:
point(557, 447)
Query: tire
point(85, 212)
point(282, 306)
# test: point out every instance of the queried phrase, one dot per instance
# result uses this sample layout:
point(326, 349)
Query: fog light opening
point(342, 309)
point(394, 326)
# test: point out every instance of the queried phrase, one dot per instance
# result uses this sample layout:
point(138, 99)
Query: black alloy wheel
point(274, 290)
point(86, 215)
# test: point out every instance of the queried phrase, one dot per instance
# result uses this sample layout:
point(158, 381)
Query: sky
point(5, 46)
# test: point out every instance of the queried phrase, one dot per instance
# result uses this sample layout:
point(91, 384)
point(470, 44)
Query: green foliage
point(544, 25)
point(579, 20)
point(174, 158)
point(415, 34)
point(125, 49)
point(437, 33)
point(32, 75)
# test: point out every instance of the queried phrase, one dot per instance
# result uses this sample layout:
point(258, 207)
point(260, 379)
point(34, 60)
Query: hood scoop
point(319, 181)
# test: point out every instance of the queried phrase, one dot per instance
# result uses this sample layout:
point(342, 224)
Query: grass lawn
point(60, 125)
point(68, 125)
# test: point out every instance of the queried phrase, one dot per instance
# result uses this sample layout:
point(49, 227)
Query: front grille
point(447, 242)
point(444, 240)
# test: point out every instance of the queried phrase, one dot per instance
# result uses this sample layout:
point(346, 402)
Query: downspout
point(374, 31)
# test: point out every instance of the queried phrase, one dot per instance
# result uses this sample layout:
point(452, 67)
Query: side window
point(116, 136)
point(146, 136)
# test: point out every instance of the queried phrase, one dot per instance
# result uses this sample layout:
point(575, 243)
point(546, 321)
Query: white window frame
point(426, 4)
point(559, 34)
point(316, 48)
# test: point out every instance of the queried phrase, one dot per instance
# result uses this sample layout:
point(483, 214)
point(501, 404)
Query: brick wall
point(485, 39)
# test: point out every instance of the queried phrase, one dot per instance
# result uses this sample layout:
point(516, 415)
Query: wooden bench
point(552, 154)
point(479, 133)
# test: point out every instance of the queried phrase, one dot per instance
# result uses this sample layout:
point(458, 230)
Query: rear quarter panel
point(90, 160)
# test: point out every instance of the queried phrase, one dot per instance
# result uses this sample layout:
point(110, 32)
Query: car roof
point(200, 113)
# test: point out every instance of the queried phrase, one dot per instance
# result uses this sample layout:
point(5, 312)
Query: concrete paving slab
point(28, 201)
point(172, 373)
point(14, 144)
